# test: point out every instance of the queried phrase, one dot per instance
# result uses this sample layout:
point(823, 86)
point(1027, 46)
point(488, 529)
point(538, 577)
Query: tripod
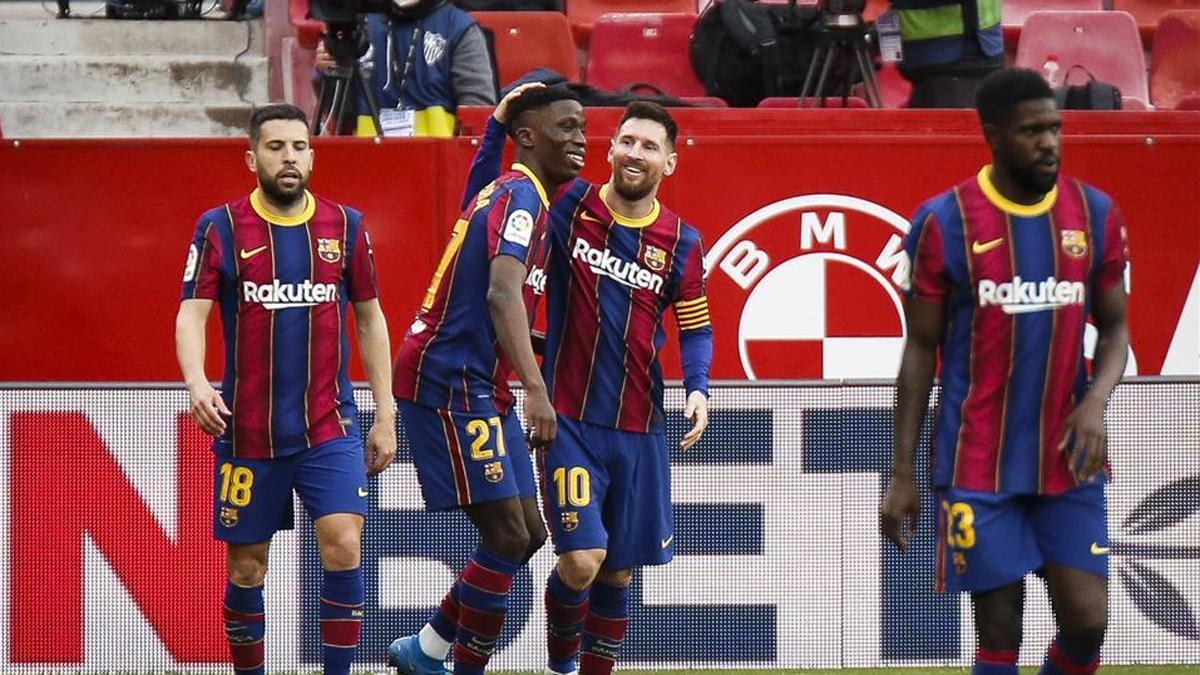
point(842, 37)
point(347, 45)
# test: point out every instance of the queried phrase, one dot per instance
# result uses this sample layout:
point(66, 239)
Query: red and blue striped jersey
point(451, 357)
point(1017, 283)
point(610, 280)
point(282, 285)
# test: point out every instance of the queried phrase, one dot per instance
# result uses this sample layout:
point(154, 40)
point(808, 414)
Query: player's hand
point(695, 410)
point(1085, 441)
point(899, 509)
point(324, 60)
point(540, 418)
point(381, 444)
point(501, 111)
point(208, 408)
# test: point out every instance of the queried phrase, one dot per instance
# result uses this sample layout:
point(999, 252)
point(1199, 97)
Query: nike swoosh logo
point(1097, 549)
point(362, 492)
point(667, 542)
point(590, 219)
point(246, 255)
point(979, 248)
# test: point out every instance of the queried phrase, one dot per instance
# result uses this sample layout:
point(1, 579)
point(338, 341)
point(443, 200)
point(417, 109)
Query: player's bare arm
point(507, 309)
point(1084, 439)
point(376, 353)
point(696, 410)
point(901, 503)
point(205, 404)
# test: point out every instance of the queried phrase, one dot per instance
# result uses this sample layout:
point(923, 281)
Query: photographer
point(426, 58)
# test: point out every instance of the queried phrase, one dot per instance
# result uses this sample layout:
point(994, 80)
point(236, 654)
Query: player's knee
point(578, 569)
point(616, 578)
point(342, 553)
point(246, 570)
point(508, 539)
point(1084, 629)
point(537, 538)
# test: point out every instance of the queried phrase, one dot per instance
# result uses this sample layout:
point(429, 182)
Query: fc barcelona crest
point(329, 250)
point(229, 516)
point(570, 521)
point(493, 472)
point(655, 258)
point(1074, 243)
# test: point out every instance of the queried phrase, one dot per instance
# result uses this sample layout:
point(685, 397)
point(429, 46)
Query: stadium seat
point(812, 102)
point(527, 40)
point(705, 101)
point(1014, 13)
point(1106, 43)
point(1147, 13)
point(583, 14)
point(1188, 103)
point(1175, 61)
point(644, 48)
point(308, 29)
point(893, 88)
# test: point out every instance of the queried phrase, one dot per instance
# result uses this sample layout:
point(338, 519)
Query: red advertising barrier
point(800, 211)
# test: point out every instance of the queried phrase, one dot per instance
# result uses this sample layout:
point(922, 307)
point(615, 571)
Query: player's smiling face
point(640, 155)
point(1027, 145)
point(561, 144)
point(282, 159)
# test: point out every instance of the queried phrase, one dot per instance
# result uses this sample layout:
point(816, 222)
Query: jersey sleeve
point(485, 167)
point(513, 222)
point(692, 319)
point(361, 281)
point(928, 278)
point(1111, 268)
point(202, 272)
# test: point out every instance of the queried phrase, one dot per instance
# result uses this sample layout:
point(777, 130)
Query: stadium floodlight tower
point(346, 40)
point(842, 38)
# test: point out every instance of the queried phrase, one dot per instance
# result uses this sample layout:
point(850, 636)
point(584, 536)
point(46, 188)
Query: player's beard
point(279, 195)
point(631, 191)
point(1029, 179)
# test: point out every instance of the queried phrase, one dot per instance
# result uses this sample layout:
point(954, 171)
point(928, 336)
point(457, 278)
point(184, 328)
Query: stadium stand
point(523, 41)
point(1175, 60)
point(812, 102)
point(644, 47)
point(583, 14)
point(1148, 12)
point(1014, 13)
point(1106, 43)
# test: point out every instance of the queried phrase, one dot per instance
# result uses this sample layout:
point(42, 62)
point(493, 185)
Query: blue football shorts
point(252, 498)
point(988, 540)
point(467, 458)
point(605, 488)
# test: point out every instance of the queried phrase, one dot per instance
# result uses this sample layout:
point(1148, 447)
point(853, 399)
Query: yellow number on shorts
point(482, 434)
point(236, 482)
point(960, 524)
point(574, 486)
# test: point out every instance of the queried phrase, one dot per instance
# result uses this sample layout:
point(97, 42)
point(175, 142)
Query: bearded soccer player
point(618, 260)
point(451, 382)
point(1006, 268)
point(283, 265)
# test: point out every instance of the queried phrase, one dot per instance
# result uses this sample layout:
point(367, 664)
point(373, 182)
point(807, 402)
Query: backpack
point(744, 51)
point(1092, 95)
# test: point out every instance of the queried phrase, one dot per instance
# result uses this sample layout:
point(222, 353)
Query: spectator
point(949, 47)
point(426, 58)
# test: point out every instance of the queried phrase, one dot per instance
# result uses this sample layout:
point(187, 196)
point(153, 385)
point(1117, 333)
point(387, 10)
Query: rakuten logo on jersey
point(631, 274)
point(1019, 296)
point(537, 280)
point(277, 295)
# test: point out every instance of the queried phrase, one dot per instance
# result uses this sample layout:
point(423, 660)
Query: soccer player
point(283, 265)
point(1006, 268)
point(471, 330)
point(618, 260)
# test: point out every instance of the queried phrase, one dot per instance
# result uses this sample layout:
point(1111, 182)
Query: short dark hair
point(274, 111)
point(648, 110)
point(1003, 90)
point(535, 99)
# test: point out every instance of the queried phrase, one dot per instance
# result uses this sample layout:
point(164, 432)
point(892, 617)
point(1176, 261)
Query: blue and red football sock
point(482, 603)
point(341, 618)
point(566, 609)
point(245, 626)
point(604, 628)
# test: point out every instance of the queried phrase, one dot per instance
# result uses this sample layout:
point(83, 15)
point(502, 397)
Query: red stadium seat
point(583, 14)
point(646, 48)
point(308, 29)
point(812, 102)
point(893, 88)
point(1106, 43)
point(1175, 61)
point(1189, 103)
point(705, 101)
point(1014, 12)
point(527, 40)
point(1148, 12)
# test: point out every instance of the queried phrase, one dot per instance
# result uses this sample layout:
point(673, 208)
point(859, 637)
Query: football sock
point(604, 629)
point(565, 612)
point(341, 618)
point(482, 602)
point(989, 662)
point(437, 636)
point(1062, 660)
point(245, 625)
